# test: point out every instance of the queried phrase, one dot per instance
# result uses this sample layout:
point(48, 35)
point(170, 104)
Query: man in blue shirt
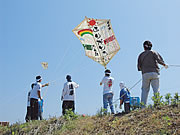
point(124, 97)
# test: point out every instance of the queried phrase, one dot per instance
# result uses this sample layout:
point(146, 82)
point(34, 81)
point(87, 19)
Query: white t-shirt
point(28, 101)
point(107, 81)
point(68, 92)
point(34, 91)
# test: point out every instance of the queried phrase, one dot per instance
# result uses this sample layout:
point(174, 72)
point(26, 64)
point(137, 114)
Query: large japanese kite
point(98, 39)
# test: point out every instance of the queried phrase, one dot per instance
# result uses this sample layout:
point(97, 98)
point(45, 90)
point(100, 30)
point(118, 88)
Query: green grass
point(162, 118)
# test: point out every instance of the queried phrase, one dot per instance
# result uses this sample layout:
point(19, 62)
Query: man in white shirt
point(68, 95)
point(34, 96)
point(107, 91)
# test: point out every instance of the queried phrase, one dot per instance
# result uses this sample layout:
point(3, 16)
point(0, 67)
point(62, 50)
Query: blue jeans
point(147, 79)
point(108, 98)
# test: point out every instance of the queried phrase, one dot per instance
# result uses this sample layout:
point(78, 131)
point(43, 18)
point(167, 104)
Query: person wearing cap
point(124, 97)
point(148, 62)
point(28, 114)
point(34, 96)
point(107, 91)
point(68, 95)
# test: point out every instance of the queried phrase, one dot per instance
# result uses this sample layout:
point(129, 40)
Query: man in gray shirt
point(148, 62)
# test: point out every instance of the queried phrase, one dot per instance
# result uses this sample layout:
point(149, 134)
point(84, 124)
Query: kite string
point(13, 98)
point(83, 64)
point(140, 81)
point(136, 84)
point(55, 81)
point(132, 87)
point(60, 63)
point(64, 68)
point(174, 65)
point(45, 91)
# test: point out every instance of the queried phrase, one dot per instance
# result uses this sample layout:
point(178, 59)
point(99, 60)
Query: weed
point(168, 98)
point(70, 115)
point(142, 104)
point(167, 119)
point(176, 98)
point(157, 99)
point(101, 112)
point(69, 126)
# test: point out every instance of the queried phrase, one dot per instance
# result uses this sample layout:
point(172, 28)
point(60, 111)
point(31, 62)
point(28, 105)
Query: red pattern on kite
point(92, 22)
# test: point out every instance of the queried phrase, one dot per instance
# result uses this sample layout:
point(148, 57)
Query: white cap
point(122, 85)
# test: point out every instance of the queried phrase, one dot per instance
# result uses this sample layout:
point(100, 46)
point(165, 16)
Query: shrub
point(70, 115)
point(168, 98)
point(157, 99)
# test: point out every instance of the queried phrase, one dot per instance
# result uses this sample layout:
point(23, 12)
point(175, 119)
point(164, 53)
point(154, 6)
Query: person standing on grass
point(107, 91)
point(68, 95)
point(34, 96)
point(148, 62)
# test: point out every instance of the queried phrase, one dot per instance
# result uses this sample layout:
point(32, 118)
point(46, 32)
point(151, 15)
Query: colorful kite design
point(98, 39)
point(85, 31)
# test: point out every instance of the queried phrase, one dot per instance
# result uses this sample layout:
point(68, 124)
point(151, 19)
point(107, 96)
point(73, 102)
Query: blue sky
point(35, 31)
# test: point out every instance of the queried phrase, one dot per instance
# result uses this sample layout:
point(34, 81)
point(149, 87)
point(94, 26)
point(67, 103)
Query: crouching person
point(68, 95)
point(124, 97)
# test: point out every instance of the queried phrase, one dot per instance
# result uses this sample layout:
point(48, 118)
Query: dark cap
point(107, 71)
point(147, 45)
point(38, 78)
point(68, 77)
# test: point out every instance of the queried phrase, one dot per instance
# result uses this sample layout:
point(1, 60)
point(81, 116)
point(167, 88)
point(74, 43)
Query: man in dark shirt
point(148, 62)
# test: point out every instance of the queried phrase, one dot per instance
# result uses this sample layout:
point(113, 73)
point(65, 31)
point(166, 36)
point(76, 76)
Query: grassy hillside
point(161, 120)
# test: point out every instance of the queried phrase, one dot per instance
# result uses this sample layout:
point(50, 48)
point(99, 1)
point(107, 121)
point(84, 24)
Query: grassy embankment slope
point(163, 118)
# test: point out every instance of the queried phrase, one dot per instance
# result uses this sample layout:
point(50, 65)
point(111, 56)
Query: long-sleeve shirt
point(148, 61)
point(68, 93)
point(125, 95)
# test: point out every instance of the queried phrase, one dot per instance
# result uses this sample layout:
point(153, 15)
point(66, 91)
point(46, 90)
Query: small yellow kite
point(44, 65)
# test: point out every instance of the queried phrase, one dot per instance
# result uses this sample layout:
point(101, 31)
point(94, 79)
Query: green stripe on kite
point(86, 33)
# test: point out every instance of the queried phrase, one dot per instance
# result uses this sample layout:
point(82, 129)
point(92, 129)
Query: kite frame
point(101, 57)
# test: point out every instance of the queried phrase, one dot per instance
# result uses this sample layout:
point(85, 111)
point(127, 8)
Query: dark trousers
point(28, 114)
point(127, 107)
point(67, 105)
point(34, 108)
